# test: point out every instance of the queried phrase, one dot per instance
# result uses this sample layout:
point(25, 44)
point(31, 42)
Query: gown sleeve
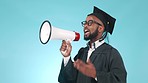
point(68, 73)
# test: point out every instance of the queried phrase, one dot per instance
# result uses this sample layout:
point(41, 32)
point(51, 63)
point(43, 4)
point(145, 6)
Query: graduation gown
point(107, 61)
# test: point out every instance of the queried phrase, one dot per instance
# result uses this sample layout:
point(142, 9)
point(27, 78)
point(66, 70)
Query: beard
point(92, 35)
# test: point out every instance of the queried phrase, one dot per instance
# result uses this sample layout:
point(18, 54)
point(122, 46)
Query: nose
point(85, 26)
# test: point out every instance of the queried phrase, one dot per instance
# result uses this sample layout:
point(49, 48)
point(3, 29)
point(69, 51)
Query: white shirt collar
point(96, 44)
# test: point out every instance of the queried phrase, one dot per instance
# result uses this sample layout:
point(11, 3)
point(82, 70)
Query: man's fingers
point(66, 48)
point(79, 64)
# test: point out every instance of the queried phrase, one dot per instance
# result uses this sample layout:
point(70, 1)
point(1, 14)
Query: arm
point(67, 73)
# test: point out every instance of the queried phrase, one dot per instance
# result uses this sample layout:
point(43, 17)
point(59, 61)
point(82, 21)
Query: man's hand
point(87, 69)
point(66, 48)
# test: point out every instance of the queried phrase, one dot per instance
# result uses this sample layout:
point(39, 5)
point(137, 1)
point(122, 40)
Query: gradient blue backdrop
point(23, 59)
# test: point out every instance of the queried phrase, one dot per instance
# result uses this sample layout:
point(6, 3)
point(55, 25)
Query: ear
point(101, 29)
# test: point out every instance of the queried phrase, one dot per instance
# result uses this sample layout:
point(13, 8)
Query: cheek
point(93, 29)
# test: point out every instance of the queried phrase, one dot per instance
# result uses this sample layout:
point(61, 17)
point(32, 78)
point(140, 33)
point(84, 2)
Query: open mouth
point(86, 32)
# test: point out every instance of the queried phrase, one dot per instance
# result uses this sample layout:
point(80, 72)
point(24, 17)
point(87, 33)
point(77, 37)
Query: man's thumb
point(88, 62)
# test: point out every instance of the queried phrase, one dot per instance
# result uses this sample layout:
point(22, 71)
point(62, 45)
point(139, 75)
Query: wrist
point(66, 59)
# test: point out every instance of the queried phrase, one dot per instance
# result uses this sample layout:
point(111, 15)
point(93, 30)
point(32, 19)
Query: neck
point(95, 39)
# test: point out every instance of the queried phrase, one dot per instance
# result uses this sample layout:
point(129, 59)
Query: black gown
point(107, 61)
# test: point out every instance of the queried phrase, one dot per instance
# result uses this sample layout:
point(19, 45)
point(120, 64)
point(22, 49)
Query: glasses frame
point(89, 23)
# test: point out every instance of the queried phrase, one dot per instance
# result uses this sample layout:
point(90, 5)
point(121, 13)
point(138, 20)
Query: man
point(98, 62)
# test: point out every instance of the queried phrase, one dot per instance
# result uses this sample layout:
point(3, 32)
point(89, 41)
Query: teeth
point(85, 31)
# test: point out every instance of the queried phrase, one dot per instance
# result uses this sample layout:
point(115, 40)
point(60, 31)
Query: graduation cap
point(107, 20)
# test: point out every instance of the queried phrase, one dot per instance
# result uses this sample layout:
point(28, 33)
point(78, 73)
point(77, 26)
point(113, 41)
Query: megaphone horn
point(48, 32)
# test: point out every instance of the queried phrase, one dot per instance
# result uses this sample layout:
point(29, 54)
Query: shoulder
point(106, 48)
point(113, 52)
point(109, 47)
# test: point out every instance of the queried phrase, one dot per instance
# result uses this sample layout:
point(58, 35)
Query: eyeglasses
point(89, 23)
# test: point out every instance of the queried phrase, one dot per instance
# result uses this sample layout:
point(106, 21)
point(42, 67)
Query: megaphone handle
point(68, 40)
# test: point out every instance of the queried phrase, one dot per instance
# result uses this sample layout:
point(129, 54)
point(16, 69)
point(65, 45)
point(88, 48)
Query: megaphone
point(48, 32)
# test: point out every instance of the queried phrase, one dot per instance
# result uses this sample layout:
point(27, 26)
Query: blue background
point(23, 59)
